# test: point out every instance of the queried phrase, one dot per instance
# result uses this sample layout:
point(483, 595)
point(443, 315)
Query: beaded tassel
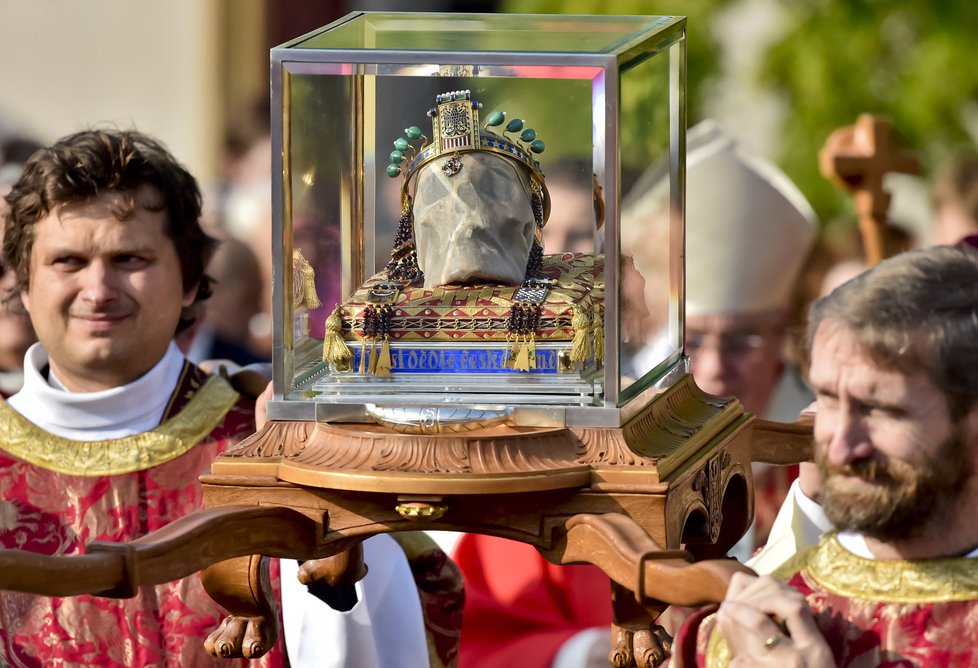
point(370, 329)
point(376, 328)
point(524, 319)
point(403, 265)
point(382, 365)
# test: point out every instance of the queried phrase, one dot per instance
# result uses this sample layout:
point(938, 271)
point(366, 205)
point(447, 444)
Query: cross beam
point(856, 158)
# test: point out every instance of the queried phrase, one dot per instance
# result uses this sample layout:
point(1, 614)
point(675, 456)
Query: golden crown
point(455, 130)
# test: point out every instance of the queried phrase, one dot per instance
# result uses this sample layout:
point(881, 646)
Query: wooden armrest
point(783, 443)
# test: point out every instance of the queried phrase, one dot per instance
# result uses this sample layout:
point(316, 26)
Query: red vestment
point(57, 494)
point(519, 608)
point(871, 612)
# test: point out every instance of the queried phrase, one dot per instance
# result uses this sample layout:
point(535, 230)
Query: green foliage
point(702, 55)
point(643, 105)
point(911, 61)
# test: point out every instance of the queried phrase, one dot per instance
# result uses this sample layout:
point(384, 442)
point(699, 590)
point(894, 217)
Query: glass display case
point(452, 231)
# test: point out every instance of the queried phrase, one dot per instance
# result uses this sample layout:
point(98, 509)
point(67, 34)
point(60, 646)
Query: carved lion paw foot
point(241, 637)
point(641, 649)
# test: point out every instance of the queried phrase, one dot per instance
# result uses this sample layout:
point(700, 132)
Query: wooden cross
point(856, 158)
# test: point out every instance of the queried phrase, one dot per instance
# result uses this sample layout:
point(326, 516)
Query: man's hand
point(747, 621)
point(261, 407)
point(254, 381)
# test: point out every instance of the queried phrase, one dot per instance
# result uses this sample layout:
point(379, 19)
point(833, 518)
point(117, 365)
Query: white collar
point(89, 416)
point(856, 543)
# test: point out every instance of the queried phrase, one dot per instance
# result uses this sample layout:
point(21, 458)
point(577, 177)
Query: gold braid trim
point(202, 414)
point(885, 581)
point(718, 653)
point(896, 581)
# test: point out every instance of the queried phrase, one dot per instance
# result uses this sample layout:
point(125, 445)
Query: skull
point(476, 225)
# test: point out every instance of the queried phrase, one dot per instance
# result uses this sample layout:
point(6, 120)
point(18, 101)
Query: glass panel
point(318, 195)
point(484, 32)
point(648, 328)
point(610, 131)
point(330, 109)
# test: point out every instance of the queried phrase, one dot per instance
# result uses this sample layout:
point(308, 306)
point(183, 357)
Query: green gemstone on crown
point(528, 135)
point(413, 132)
point(396, 156)
point(495, 118)
point(538, 146)
point(393, 170)
point(401, 144)
point(514, 125)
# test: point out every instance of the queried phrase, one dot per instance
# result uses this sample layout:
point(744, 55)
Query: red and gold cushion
point(481, 312)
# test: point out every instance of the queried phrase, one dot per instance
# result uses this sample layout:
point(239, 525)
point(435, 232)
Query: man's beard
point(901, 501)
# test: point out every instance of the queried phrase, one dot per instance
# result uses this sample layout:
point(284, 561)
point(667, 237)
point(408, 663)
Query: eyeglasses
point(727, 343)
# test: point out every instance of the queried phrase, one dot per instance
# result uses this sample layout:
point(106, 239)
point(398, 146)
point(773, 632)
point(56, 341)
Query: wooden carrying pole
point(856, 158)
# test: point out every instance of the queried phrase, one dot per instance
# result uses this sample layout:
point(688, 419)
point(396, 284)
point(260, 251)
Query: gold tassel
point(335, 349)
point(372, 366)
point(598, 329)
point(522, 358)
point(581, 344)
point(363, 357)
point(384, 360)
point(309, 287)
point(510, 358)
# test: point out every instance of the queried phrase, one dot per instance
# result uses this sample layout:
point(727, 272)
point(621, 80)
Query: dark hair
point(916, 310)
point(81, 167)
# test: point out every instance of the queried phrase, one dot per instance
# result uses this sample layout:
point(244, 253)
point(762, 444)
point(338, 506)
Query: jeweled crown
point(455, 130)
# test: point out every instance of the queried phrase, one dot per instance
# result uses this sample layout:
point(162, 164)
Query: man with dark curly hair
point(113, 426)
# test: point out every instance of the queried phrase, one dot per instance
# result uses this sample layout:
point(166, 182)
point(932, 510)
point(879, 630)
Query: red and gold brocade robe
point(57, 494)
point(871, 612)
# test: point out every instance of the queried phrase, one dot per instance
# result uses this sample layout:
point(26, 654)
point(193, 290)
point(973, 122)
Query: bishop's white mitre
point(748, 228)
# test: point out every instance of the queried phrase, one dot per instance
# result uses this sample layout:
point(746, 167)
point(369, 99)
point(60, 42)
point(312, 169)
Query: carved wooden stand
point(676, 475)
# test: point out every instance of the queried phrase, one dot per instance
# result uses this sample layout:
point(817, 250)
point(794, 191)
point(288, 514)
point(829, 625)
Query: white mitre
point(748, 228)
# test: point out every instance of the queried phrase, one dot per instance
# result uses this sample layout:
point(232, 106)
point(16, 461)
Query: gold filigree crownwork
point(205, 410)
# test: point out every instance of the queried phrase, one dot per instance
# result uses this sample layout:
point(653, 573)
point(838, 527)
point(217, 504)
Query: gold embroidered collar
point(172, 438)
point(918, 581)
point(845, 574)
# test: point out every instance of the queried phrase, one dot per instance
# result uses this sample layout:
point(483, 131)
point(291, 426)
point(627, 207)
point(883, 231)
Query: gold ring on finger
point(773, 640)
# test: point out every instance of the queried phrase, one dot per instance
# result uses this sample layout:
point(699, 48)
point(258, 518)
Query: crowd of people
point(119, 282)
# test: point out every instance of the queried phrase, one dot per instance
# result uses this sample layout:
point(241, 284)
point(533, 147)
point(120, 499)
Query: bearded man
point(896, 433)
